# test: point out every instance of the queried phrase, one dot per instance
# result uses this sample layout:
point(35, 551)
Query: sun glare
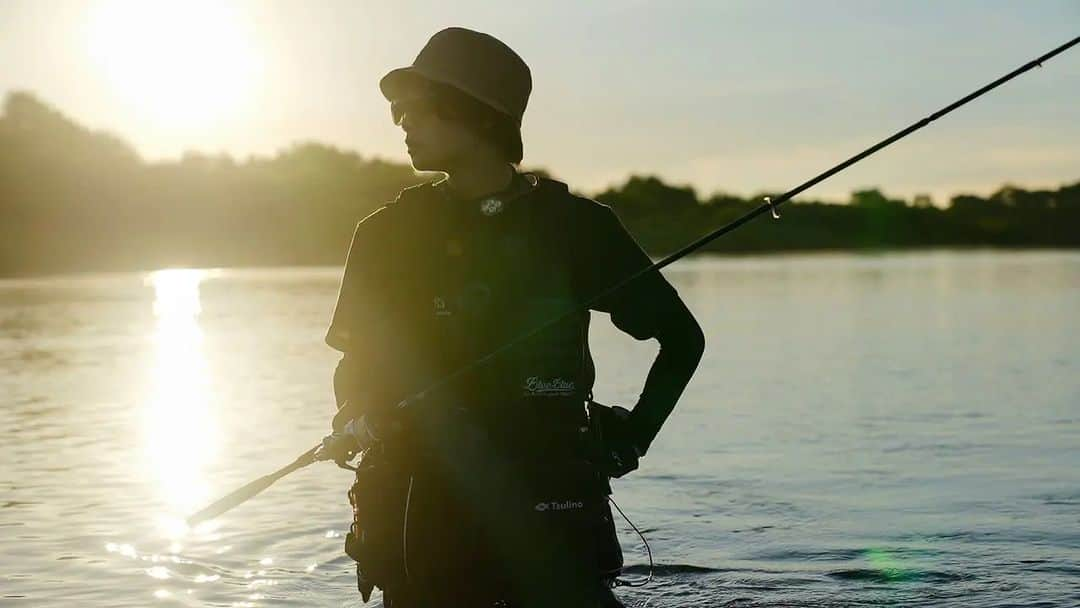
point(180, 64)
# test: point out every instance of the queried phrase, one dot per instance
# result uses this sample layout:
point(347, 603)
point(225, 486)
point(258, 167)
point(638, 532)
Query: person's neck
point(476, 179)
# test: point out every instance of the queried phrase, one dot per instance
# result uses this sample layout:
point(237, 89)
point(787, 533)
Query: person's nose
point(407, 123)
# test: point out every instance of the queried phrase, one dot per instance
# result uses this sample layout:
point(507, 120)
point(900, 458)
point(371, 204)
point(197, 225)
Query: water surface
point(881, 430)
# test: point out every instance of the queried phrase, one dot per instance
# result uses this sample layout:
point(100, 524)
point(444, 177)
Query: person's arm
point(649, 307)
point(350, 395)
point(357, 319)
point(682, 343)
point(358, 330)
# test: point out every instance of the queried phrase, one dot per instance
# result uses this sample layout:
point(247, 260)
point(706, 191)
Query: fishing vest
point(460, 279)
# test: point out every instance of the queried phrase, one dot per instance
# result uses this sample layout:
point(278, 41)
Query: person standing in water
point(491, 490)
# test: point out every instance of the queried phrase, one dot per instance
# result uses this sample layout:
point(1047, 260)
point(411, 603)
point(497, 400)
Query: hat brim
point(404, 82)
point(407, 81)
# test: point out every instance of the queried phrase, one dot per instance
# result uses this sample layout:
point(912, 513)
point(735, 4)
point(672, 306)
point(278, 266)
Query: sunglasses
point(425, 105)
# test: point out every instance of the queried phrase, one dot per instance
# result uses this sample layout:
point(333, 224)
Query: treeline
point(666, 217)
point(72, 199)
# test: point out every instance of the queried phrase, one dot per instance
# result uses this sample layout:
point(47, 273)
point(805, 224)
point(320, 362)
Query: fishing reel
point(355, 438)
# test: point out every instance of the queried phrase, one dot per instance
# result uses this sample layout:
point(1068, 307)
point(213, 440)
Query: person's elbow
point(695, 339)
point(699, 337)
point(683, 335)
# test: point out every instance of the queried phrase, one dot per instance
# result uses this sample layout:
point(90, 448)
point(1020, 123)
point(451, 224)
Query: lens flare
point(887, 566)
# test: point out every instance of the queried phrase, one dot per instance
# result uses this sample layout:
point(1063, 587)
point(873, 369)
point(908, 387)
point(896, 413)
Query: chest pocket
point(498, 277)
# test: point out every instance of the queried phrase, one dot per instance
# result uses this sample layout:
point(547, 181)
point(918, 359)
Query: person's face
point(435, 140)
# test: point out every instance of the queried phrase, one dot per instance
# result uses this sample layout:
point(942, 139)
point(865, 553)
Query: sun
point(178, 64)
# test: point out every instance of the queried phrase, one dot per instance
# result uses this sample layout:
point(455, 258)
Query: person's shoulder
point(408, 201)
point(560, 197)
point(418, 195)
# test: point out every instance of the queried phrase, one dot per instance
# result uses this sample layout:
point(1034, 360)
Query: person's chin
point(420, 162)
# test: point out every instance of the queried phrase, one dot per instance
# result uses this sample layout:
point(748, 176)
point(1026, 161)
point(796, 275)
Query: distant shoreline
point(123, 274)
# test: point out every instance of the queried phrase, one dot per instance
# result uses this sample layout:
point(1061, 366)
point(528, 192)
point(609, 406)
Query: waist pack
point(374, 540)
point(513, 527)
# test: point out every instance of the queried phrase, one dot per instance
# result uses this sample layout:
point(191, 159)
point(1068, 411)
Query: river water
point(865, 430)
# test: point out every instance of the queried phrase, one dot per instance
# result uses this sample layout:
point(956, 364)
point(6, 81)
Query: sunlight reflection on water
point(180, 427)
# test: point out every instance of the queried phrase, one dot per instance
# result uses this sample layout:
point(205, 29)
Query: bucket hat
point(475, 63)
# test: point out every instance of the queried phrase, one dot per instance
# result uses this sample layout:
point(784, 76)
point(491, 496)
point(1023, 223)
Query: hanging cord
point(405, 531)
point(619, 582)
point(770, 205)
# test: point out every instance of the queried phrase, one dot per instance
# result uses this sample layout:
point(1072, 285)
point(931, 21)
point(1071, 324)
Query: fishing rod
point(769, 205)
point(250, 489)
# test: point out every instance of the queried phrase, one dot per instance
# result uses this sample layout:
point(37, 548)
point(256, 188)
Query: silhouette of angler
point(491, 490)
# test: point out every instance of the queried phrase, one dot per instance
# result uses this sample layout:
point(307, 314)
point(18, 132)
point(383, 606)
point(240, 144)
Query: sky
point(739, 97)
